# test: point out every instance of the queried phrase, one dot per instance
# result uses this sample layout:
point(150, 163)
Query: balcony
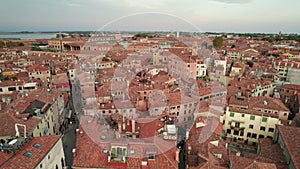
point(237, 127)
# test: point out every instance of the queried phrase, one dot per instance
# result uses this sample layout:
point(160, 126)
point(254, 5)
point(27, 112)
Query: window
point(1, 90)
point(271, 129)
point(41, 165)
point(264, 119)
point(228, 131)
point(261, 136)
point(251, 126)
point(235, 132)
point(243, 115)
point(254, 135)
point(242, 133)
point(262, 128)
point(252, 117)
point(285, 114)
point(231, 114)
point(248, 134)
point(11, 88)
point(237, 124)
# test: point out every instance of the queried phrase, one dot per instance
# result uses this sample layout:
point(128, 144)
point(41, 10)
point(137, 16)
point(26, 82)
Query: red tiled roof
point(148, 127)
point(291, 139)
point(38, 154)
point(291, 86)
point(8, 121)
point(246, 163)
point(199, 138)
point(271, 151)
point(271, 103)
point(88, 153)
point(4, 157)
point(38, 67)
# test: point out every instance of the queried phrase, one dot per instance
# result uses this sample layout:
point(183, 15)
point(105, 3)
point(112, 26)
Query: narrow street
point(69, 142)
point(69, 138)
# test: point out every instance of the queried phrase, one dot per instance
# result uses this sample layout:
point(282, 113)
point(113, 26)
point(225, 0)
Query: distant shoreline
point(135, 31)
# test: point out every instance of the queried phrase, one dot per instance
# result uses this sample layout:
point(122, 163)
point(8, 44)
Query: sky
point(266, 16)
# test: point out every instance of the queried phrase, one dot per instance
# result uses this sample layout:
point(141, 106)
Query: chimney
point(238, 153)
point(74, 152)
point(123, 125)
point(133, 125)
point(120, 127)
point(177, 155)
point(127, 122)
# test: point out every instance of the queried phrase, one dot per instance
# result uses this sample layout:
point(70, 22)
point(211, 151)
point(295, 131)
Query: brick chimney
point(133, 126)
point(177, 155)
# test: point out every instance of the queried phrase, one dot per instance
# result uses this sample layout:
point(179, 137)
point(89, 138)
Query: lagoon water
point(27, 35)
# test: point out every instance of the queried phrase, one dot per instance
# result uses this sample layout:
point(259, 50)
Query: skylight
point(28, 154)
point(37, 145)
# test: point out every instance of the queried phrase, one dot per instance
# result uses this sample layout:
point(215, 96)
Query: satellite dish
point(13, 142)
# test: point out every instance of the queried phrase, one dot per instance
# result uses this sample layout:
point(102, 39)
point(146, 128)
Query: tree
point(36, 48)
point(5, 78)
point(271, 40)
point(249, 63)
point(14, 78)
point(218, 42)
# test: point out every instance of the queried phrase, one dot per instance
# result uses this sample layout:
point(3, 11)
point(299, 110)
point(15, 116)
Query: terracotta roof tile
point(38, 154)
point(291, 139)
point(4, 157)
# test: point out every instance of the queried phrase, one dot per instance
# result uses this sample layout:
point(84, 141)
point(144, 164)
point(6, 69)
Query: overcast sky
point(202, 15)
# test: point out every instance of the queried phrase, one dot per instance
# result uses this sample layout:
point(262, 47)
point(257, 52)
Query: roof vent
point(265, 102)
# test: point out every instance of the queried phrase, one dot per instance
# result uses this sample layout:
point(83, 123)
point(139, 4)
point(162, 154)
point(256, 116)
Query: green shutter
point(264, 119)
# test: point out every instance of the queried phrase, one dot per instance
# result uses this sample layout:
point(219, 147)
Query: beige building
point(247, 120)
point(39, 72)
point(247, 126)
point(8, 87)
